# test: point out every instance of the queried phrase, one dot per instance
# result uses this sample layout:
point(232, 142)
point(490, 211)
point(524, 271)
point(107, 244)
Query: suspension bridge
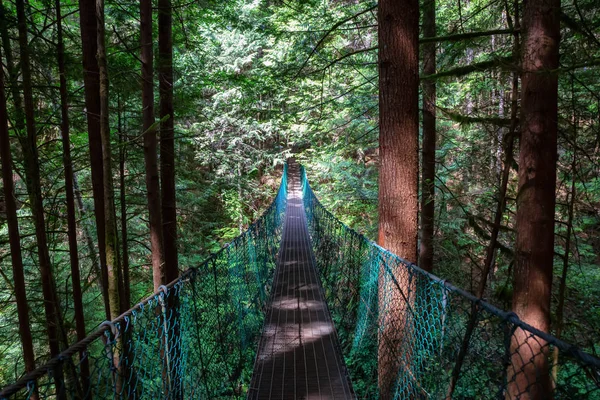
point(302, 307)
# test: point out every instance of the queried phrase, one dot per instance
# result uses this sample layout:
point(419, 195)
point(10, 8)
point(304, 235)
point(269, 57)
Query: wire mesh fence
point(430, 339)
point(194, 339)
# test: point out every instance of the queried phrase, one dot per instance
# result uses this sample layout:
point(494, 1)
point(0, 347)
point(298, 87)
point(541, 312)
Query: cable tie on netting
point(164, 289)
point(127, 320)
point(441, 282)
point(512, 317)
point(163, 295)
point(113, 328)
point(178, 287)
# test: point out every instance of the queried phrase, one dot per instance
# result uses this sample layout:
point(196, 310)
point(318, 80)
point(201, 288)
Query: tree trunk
point(126, 355)
point(32, 171)
point(110, 229)
point(150, 146)
point(490, 257)
point(528, 376)
point(116, 288)
point(86, 231)
point(13, 74)
point(91, 80)
point(167, 177)
point(398, 174)
point(14, 236)
point(70, 198)
point(429, 140)
point(124, 240)
point(565, 268)
point(167, 142)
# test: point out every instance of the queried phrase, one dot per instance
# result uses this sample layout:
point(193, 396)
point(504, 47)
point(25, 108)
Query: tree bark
point(429, 140)
point(124, 240)
point(399, 168)
point(528, 376)
point(14, 236)
point(32, 172)
point(115, 287)
point(151, 146)
point(70, 199)
point(167, 177)
point(91, 80)
point(13, 74)
point(167, 142)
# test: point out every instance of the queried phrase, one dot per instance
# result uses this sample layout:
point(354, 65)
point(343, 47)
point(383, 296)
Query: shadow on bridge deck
point(298, 355)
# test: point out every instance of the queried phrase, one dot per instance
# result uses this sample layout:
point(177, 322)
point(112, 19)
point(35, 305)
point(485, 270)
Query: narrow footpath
point(298, 354)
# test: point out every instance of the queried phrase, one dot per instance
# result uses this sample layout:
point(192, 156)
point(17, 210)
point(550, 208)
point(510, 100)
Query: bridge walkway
point(298, 355)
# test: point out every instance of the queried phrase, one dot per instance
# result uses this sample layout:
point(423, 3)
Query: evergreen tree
point(534, 250)
point(399, 166)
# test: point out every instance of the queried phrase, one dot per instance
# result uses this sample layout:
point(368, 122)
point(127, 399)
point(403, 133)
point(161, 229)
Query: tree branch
point(468, 35)
point(329, 31)
point(503, 62)
point(130, 51)
point(463, 119)
point(341, 58)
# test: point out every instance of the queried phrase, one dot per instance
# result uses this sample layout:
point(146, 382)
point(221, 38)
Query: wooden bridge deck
point(298, 355)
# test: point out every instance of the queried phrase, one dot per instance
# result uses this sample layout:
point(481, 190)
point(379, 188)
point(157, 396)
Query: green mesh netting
point(441, 340)
point(195, 339)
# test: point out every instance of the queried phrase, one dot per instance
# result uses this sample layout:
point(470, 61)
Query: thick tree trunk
point(32, 171)
point(91, 80)
point(70, 198)
point(528, 376)
point(167, 177)
point(167, 142)
point(429, 140)
point(14, 236)
point(115, 287)
point(398, 174)
point(151, 146)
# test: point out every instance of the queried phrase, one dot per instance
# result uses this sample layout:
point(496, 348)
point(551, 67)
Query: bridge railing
point(193, 339)
point(443, 341)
